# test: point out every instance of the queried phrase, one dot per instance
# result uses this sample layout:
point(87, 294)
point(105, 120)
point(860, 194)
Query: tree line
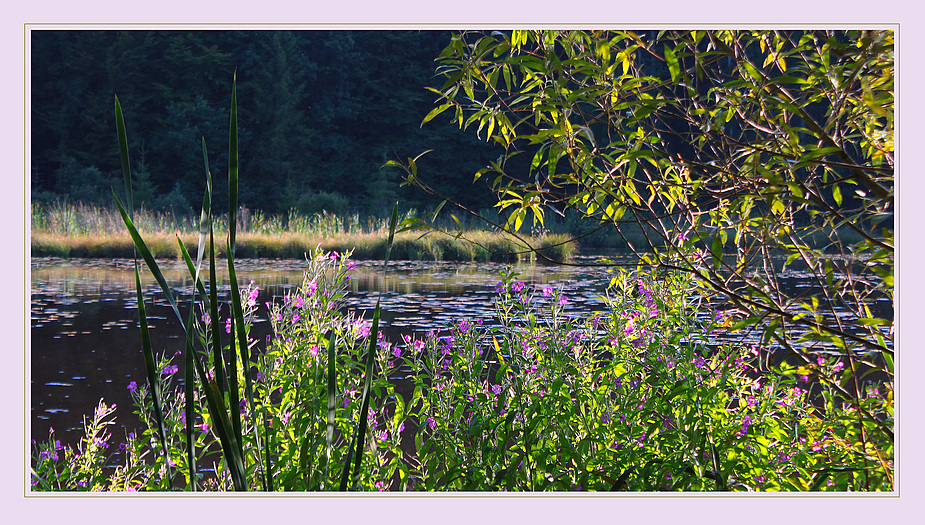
point(320, 113)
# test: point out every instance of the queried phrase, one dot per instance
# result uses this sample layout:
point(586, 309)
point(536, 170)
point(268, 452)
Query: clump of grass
point(49, 245)
point(474, 246)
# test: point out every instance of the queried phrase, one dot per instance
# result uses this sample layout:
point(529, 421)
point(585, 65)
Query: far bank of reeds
point(77, 230)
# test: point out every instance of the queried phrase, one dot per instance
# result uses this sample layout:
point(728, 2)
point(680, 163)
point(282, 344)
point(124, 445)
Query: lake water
point(85, 344)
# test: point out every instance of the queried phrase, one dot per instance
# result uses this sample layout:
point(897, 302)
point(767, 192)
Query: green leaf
point(233, 169)
point(151, 370)
point(359, 438)
point(672, 62)
point(434, 112)
point(123, 156)
point(332, 402)
point(716, 249)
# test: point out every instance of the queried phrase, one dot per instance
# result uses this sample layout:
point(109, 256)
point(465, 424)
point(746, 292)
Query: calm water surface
point(85, 344)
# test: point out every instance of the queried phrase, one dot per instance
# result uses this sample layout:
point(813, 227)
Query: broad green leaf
point(672, 61)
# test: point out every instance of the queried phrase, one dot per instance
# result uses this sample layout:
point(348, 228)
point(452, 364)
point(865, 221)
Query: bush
point(635, 398)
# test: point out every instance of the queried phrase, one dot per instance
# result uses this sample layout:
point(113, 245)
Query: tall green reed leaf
point(123, 157)
point(332, 403)
point(147, 351)
point(359, 438)
point(233, 169)
point(239, 332)
point(142, 248)
point(151, 372)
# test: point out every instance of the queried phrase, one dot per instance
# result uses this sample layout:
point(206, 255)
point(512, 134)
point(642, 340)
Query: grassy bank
point(76, 230)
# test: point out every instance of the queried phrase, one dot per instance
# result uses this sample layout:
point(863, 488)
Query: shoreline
point(478, 246)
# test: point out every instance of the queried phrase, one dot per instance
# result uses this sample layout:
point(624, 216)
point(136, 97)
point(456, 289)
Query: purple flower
point(563, 300)
point(205, 427)
point(361, 328)
point(252, 299)
point(132, 387)
point(517, 286)
point(496, 389)
point(746, 422)
point(699, 362)
point(312, 287)
point(547, 291)
point(228, 325)
point(431, 422)
point(383, 435)
point(170, 369)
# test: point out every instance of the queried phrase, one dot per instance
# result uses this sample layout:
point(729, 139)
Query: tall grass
point(76, 230)
point(78, 219)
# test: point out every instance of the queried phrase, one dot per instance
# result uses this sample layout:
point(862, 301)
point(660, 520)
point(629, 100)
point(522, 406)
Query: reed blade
point(360, 437)
point(238, 312)
point(332, 403)
point(151, 371)
point(188, 387)
point(123, 156)
point(233, 169)
point(231, 448)
point(149, 260)
point(215, 338)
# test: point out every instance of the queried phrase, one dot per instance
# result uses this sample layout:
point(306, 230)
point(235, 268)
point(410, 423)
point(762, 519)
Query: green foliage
point(632, 398)
point(757, 149)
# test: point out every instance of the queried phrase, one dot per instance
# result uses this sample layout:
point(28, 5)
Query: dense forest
point(320, 112)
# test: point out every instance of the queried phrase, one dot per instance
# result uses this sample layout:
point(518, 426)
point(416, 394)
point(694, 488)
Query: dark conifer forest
point(320, 112)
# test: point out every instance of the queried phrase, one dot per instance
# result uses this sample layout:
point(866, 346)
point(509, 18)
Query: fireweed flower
point(517, 286)
point(361, 327)
point(431, 422)
point(547, 291)
point(228, 325)
point(252, 300)
point(312, 287)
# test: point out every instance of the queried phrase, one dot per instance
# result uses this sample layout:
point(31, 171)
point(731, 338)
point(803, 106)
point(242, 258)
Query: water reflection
point(85, 342)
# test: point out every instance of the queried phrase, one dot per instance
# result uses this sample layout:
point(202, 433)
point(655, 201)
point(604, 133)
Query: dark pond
point(85, 344)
